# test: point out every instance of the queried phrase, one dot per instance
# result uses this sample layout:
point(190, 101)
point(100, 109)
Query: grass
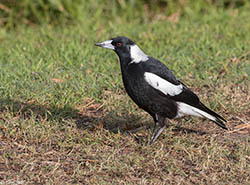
point(66, 119)
point(58, 12)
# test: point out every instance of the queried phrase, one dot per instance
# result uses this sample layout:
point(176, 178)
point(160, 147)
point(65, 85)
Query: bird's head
point(125, 48)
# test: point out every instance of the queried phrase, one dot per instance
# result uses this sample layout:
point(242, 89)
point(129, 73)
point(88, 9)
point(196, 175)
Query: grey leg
point(156, 123)
point(159, 127)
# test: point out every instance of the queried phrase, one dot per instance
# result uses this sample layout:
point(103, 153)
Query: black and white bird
point(153, 87)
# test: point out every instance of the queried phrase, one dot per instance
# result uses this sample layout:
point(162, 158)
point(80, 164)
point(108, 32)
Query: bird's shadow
point(131, 124)
point(28, 109)
point(90, 118)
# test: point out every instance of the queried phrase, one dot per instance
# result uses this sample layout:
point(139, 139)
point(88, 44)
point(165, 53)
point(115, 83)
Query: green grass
point(66, 119)
point(58, 12)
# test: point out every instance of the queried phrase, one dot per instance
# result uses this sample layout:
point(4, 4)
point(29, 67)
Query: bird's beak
point(106, 44)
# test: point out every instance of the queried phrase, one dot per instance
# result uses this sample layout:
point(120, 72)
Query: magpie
point(154, 88)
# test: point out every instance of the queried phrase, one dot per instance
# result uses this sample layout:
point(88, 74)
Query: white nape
point(162, 85)
point(137, 54)
point(185, 109)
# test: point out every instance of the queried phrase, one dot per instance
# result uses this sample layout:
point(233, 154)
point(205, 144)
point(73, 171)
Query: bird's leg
point(156, 134)
point(158, 128)
point(156, 123)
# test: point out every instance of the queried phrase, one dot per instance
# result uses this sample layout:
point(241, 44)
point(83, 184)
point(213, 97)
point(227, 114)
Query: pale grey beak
point(106, 44)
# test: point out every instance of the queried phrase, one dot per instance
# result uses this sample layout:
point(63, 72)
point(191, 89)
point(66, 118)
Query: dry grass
point(89, 149)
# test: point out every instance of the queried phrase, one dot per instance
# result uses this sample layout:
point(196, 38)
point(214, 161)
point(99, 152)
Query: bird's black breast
point(143, 94)
point(134, 83)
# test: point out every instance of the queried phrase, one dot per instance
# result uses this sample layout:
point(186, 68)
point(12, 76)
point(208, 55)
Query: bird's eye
point(118, 44)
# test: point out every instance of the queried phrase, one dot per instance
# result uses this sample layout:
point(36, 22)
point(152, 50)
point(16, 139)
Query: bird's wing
point(176, 91)
point(163, 85)
point(159, 77)
point(156, 67)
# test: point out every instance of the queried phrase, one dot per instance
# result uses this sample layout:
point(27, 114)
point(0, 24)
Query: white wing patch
point(137, 54)
point(162, 85)
point(185, 109)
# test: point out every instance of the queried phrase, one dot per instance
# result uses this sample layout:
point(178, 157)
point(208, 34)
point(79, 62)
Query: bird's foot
point(157, 132)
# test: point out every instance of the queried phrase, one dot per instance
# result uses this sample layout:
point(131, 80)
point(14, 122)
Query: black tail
point(218, 119)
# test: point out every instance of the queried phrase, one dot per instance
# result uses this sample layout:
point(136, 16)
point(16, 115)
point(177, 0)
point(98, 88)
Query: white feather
point(137, 54)
point(162, 85)
point(185, 109)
